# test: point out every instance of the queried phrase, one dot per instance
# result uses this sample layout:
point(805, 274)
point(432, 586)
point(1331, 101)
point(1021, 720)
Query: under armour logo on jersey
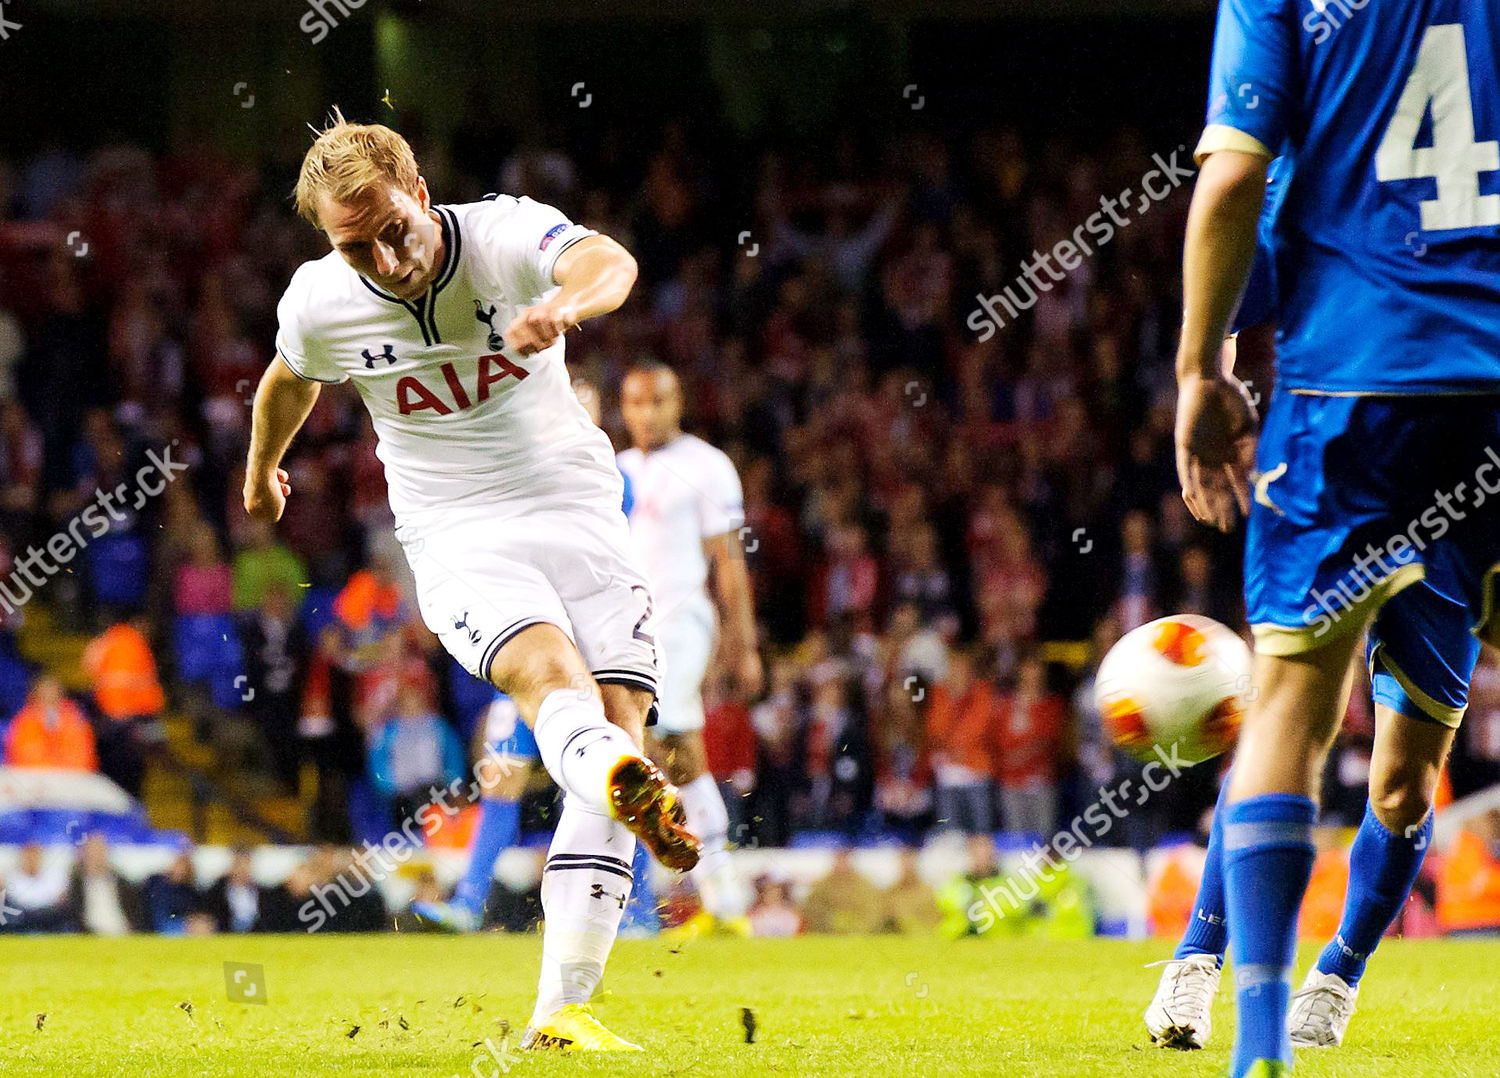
point(496, 341)
point(389, 355)
point(464, 625)
point(600, 893)
point(585, 748)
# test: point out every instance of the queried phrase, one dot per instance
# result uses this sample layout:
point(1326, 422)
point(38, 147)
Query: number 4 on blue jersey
point(1386, 248)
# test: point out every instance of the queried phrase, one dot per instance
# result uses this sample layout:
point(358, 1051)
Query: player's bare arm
point(596, 275)
point(1215, 419)
point(731, 578)
point(282, 404)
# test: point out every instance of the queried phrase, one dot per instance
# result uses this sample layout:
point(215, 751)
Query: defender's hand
point(266, 494)
point(539, 327)
point(1215, 447)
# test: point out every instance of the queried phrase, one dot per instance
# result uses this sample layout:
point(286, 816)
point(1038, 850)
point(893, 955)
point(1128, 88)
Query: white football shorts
point(484, 575)
point(686, 643)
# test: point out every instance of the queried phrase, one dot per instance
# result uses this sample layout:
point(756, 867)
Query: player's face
point(386, 235)
point(651, 405)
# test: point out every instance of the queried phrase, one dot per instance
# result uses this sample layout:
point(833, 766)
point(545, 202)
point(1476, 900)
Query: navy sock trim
point(597, 866)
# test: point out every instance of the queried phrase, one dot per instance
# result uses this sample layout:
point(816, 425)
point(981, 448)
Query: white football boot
point(1179, 1015)
point(1320, 1011)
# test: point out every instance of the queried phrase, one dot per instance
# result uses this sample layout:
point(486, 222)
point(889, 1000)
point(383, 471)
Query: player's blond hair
point(348, 158)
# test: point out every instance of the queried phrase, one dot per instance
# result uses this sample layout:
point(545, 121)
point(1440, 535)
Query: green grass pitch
point(423, 1006)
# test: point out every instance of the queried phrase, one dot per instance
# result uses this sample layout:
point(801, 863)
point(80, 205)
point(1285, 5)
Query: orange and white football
point(1182, 680)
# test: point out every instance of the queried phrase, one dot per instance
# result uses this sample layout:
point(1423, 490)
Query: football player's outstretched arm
point(282, 403)
point(1215, 421)
point(596, 275)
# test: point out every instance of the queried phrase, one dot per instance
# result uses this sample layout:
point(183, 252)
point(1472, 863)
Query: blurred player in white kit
point(686, 524)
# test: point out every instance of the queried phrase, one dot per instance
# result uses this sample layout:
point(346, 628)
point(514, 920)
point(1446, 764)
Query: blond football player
point(449, 320)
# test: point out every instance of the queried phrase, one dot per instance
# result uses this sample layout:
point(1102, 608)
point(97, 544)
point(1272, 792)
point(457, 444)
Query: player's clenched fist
point(266, 494)
point(539, 327)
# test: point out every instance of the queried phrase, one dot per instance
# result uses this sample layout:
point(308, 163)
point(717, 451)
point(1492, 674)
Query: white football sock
point(580, 746)
point(585, 886)
point(723, 894)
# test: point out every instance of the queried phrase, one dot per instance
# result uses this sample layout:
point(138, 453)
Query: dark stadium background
point(1039, 462)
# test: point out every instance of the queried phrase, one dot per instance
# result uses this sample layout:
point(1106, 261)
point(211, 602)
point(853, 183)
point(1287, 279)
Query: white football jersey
point(685, 492)
point(461, 419)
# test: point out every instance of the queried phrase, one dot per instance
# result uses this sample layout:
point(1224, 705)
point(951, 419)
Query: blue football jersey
point(1386, 247)
point(1258, 304)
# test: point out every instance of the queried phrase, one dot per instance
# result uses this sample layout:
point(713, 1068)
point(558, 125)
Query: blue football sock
point(1268, 859)
point(499, 828)
point(640, 911)
point(1208, 926)
point(1382, 868)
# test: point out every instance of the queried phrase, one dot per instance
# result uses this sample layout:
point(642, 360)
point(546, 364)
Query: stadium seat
point(369, 813)
point(470, 697)
point(1115, 927)
point(1177, 838)
point(68, 827)
point(535, 840)
point(1016, 841)
point(317, 609)
point(227, 683)
point(201, 647)
point(819, 840)
point(58, 827)
point(119, 570)
point(15, 827)
point(875, 835)
point(209, 653)
point(15, 684)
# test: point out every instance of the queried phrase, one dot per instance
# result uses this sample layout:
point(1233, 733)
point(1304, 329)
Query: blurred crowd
point(80, 888)
point(336, 889)
point(47, 893)
point(332, 890)
point(845, 902)
point(945, 533)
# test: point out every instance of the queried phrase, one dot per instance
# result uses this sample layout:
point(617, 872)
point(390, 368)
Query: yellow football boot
point(734, 926)
point(574, 1029)
point(704, 923)
point(699, 924)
